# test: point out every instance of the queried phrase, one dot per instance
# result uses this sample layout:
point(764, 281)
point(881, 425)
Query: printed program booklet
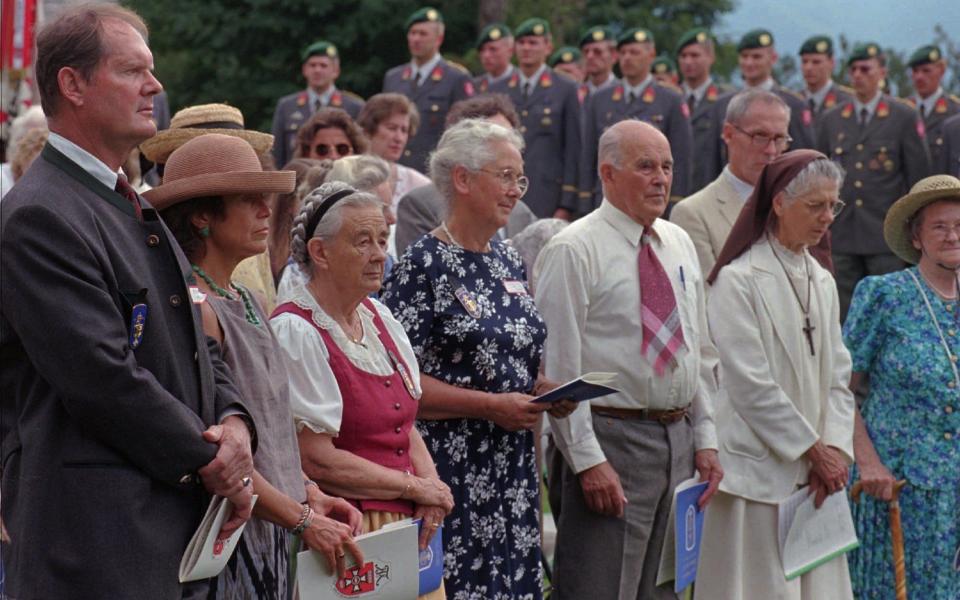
point(586, 387)
point(681, 544)
point(810, 536)
point(205, 555)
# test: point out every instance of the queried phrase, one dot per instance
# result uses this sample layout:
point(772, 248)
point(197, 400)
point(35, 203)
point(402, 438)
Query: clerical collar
point(638, 89)
point(929, 102)
point(506, 73)
point(819, 96)
point(423, 71)
point(610, 80)
point(88, 162)
point(870, 106)
point(698, 91)
point(741, 187)
point(533, 79)
point(324, 98)
point(768, 84)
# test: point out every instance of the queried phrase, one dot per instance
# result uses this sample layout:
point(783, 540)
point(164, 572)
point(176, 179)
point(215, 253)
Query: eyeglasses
point(324, 150)
point(835, 207)
point(509, 179)
point(942, 231)
point(761, 140)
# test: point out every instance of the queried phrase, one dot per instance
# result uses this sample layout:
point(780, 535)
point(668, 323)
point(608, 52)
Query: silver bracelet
point(306, 517)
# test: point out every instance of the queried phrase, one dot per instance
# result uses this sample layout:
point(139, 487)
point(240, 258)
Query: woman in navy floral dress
point(904, 330)
point(465, 305)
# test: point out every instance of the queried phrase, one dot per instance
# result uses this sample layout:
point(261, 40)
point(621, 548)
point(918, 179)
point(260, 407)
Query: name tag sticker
point(514, 286)
point(196, 295)
point(468, 301)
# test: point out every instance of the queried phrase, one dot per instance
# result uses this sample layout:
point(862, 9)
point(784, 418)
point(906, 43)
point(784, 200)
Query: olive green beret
point(635, 35)
point(427, 14)
point(924, 55)
point(818, 44)
point(320, 48)
point(597, 33)
point(565, 55)
point(534, 26)
point(492, 33)
point(697, 35)
point(663, 64)
point(864, 51)
point(758, 38)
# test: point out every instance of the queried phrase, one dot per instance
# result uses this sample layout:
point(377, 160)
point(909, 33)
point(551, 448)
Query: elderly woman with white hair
point(354, 380)
point(463, 299)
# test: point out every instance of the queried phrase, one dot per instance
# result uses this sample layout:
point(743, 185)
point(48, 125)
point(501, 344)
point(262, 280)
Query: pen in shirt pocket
point(683, 280)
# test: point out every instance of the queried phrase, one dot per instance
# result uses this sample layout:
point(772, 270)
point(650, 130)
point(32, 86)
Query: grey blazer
point(421, 210)
point(100, 435)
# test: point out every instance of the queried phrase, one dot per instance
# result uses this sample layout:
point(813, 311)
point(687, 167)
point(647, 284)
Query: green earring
point(205, 231)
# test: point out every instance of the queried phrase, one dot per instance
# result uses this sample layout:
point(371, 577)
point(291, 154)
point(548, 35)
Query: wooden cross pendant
point(808, 331)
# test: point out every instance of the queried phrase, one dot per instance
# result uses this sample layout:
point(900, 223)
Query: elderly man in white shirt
point(621, 290)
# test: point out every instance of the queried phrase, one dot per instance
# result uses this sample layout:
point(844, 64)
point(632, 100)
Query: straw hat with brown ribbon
point(896, 225)
point(194, 121)
point(216, 165)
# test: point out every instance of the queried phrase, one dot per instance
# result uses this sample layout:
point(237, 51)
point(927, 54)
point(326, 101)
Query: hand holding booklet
point(206, 555)
point(680, 554)
point(586, 387)
point(811, 536)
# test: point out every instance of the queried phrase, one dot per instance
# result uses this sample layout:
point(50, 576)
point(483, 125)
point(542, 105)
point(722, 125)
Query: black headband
point(325, 206)
point(215, 125)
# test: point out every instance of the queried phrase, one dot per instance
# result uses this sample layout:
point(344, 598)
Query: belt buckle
point(669, 417)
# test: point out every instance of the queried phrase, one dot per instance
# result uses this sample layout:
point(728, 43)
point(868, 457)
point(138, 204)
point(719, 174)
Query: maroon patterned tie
point(662, 330)
point(126, 190)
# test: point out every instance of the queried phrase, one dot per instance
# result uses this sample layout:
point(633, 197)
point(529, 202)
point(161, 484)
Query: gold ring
point(246, 481)
point(341, 554)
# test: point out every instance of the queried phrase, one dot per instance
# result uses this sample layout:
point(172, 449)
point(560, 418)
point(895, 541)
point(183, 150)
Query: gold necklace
point(944, 296)
point(446, 231)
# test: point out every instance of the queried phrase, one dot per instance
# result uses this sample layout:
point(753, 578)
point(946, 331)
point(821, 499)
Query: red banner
point(18, 19)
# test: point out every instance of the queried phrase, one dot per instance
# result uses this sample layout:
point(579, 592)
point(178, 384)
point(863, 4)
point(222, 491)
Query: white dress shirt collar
point(324, 98)
point(638, 89)
point(88, 162)
point(870, 106)
point(534, 79)
point(698, 91)
point(610, 80)
point(741, 187)
point(820, 94)
point(929, 102)
point(424, 69)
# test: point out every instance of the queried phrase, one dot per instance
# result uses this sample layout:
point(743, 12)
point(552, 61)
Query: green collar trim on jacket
point(57, 159)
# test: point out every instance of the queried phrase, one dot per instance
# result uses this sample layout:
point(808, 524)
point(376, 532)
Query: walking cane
point(896, 535)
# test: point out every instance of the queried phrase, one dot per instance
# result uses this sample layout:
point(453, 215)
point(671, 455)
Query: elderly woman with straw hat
point(903, 330)
point(214, 198)
point(355, 382)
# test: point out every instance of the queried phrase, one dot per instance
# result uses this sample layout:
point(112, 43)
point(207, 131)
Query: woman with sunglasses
point(330, 134)
point(463, 300)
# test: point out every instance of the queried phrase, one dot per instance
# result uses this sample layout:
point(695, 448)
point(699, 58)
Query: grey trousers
point(849, 269)
point(610, 558)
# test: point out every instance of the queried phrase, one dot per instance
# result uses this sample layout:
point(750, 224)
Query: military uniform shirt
point(296, 109)
point(653, 103)
point(883, 159)
point(440, 86)
point(826, 98)
point(937, 108)
point(706, 129)
point(483, 83)
point(550, 125)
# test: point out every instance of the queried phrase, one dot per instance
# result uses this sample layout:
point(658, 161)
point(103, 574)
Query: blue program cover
point(689, 528)
point(431, 563)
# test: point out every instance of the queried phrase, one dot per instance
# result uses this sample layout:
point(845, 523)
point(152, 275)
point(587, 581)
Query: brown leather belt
point(664, 417)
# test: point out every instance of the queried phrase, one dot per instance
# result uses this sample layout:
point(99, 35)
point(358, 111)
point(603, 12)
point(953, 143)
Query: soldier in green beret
point(665, 71)
point(495, 49)
point(549, 122)
point(817, 65)
point(569, 61)
point(432, 83)
point(878, 140)
point(696, 55)
point(599, 47)
point(321, 68)
point(927, 66)
point(636, 96)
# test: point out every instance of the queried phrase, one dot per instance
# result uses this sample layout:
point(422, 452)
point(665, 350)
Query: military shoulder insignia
point(791, 93)
point(711, 94)
point(883, 110)
point(830, 100)
point(457, 66)
point(301, 98)
point(336, 99)
point(582, 92)
point(909, 102)
point(847, 110)
point(407, 73)
point(468, 87)
point(955, 99)
point(649, 95)
point(618, 93)
point(941, 106)
point(545, 80)
point(844, 88)
point(437, 73)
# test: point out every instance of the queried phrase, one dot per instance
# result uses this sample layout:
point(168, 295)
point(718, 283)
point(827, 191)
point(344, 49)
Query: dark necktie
point(923, 111)
point(317, 105)
point(691, 102)
point(812, 104)
point(660, 319)
point(526, 90)
point(124, 189)
point(864, 117)
point(631, 97)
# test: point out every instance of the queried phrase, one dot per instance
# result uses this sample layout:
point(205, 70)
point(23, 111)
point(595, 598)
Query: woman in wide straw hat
point(214, 198)
point(903, 331)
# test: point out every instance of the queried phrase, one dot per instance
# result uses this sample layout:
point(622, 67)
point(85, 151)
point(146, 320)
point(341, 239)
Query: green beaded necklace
point(249, 311)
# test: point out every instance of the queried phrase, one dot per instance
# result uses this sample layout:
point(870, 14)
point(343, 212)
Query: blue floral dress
point(913, 416)
point(473, 324)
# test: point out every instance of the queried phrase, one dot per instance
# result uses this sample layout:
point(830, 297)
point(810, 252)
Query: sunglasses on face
point(324, 150)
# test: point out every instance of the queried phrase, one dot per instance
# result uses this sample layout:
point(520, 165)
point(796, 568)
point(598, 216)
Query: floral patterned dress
point(913, 416)
point(473, 324)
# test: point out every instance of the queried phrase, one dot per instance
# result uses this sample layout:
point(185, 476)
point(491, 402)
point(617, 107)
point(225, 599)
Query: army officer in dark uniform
point(321, 67)
point(935, 106)
point(549, 121)
point(821, 92)
point(495, 49)
point(878, 140)
point(432, 83)
point(637, 96)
